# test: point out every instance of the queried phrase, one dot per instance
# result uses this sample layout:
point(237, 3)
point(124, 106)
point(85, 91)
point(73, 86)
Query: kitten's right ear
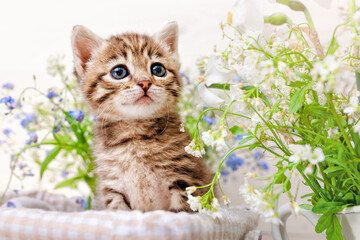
point(84, 42)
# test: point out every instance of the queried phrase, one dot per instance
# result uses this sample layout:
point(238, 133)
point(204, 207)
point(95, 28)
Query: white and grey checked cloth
point(67, 221)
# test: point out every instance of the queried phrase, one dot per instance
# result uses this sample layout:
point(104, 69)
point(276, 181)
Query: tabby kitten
point(131, 82)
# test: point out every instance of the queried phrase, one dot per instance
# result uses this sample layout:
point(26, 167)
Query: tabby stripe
point(129, 139)
point(104, 97)
point(193, 173)
point(179, 184)
point(143, 47)
point(110, 190)
point(94, 84)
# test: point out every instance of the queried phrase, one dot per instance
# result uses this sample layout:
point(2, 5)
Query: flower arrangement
point(292, 97)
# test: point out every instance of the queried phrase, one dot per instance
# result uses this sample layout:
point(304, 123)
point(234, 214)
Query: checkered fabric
point(69, 222)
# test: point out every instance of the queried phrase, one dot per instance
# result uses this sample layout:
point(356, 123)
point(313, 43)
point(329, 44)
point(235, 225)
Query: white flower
point(317, 156)
point(296, 150)
point(305, 151)
point(215, 204)
point(308, 99)
point(208, 98)
point(193, 150)
point(296, 208)
point(221, 145)
point(226, 200)
point(190, 190)
point(309, 169)
point(326, 66)
point(248, 15)
point(208, 138)
point(354, 105)
point(194, 203)
point(217, 71)
point(257, 103)
point(322, 99)
point(182, 127)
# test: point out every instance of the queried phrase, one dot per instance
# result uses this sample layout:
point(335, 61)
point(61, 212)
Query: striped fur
point(139, 150)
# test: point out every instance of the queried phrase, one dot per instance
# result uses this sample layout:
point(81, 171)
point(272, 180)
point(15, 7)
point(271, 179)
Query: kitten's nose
point(145, 85)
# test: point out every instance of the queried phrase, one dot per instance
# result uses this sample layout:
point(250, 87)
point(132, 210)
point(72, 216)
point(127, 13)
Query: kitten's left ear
point(169, 36)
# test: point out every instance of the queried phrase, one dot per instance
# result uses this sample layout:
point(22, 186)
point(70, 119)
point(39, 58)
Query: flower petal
point(209, 99)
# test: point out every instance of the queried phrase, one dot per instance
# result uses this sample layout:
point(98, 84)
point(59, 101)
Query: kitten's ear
point(169, 35)
point(84, 42)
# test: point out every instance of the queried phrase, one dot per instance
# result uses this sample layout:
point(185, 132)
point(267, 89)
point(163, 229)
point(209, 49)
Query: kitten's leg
point(115, 200)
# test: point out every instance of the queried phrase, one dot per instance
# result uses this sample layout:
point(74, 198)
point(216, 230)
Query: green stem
point(309, 19)
point(338, 121)
point(352, 7)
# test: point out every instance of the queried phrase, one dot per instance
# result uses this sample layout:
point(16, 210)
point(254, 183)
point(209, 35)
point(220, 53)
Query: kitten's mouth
point(144, 100)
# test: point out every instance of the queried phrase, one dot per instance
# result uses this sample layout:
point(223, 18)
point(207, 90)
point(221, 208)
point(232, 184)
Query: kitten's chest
point(147, 187)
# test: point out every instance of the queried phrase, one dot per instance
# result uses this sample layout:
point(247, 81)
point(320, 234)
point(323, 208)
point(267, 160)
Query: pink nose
point(145, 85)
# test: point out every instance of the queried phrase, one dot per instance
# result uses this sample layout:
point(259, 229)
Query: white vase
point(349, 219)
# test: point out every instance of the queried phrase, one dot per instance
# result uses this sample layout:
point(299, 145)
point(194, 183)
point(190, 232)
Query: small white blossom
point(193, 150)
point(194, 203)
point(296, 208)
point(309, 169)
point(317, 156)
point(182, 127)
point(208, 138)
point(226, 200)
point(221, 145)
point(190, 190)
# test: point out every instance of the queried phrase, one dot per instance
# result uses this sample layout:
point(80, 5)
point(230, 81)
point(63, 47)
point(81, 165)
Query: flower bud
point(297, 6)
point(276, 19)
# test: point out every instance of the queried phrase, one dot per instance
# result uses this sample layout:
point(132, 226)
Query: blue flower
point(83, 203)
point(238, 78)
point(64, 174)
point(32, 138)
point(7, 131)
point(28, 119)
point(238, 137)
point(78, 115)
point(257, 155)
point(8, 85)
point(10, 205)
point(263, 165)
point(233, 161)
point(57, 127)
point(52, 94)
point(209, 120)
point(182, 74)
point(9, 101)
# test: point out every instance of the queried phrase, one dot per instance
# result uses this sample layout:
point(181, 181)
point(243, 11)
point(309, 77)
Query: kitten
point(131, 83)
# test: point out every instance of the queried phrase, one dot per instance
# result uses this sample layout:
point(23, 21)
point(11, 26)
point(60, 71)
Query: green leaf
point(332, 47)
point(236, 130)
point(225, 86)
point(68, 182)
point(287, 185)
point(306, 206)
point(333, 169)
point(333, 231)
point(303, 75)
point(329, 207)
point(245, 140)
point(297, 100)
point(323, 223)
point(280, 177)
point(254, 145)
point(297, 84)
point(52, 154)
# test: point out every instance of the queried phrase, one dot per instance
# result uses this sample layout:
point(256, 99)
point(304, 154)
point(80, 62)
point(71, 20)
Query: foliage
point(294, 99)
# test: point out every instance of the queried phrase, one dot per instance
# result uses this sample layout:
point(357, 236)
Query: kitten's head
point(128, 76)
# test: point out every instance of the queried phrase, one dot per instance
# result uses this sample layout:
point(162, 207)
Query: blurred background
point(34, 31)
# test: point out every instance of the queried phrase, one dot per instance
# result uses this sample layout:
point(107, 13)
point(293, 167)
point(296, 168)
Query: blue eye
point(119, 72)
point(158, 69)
